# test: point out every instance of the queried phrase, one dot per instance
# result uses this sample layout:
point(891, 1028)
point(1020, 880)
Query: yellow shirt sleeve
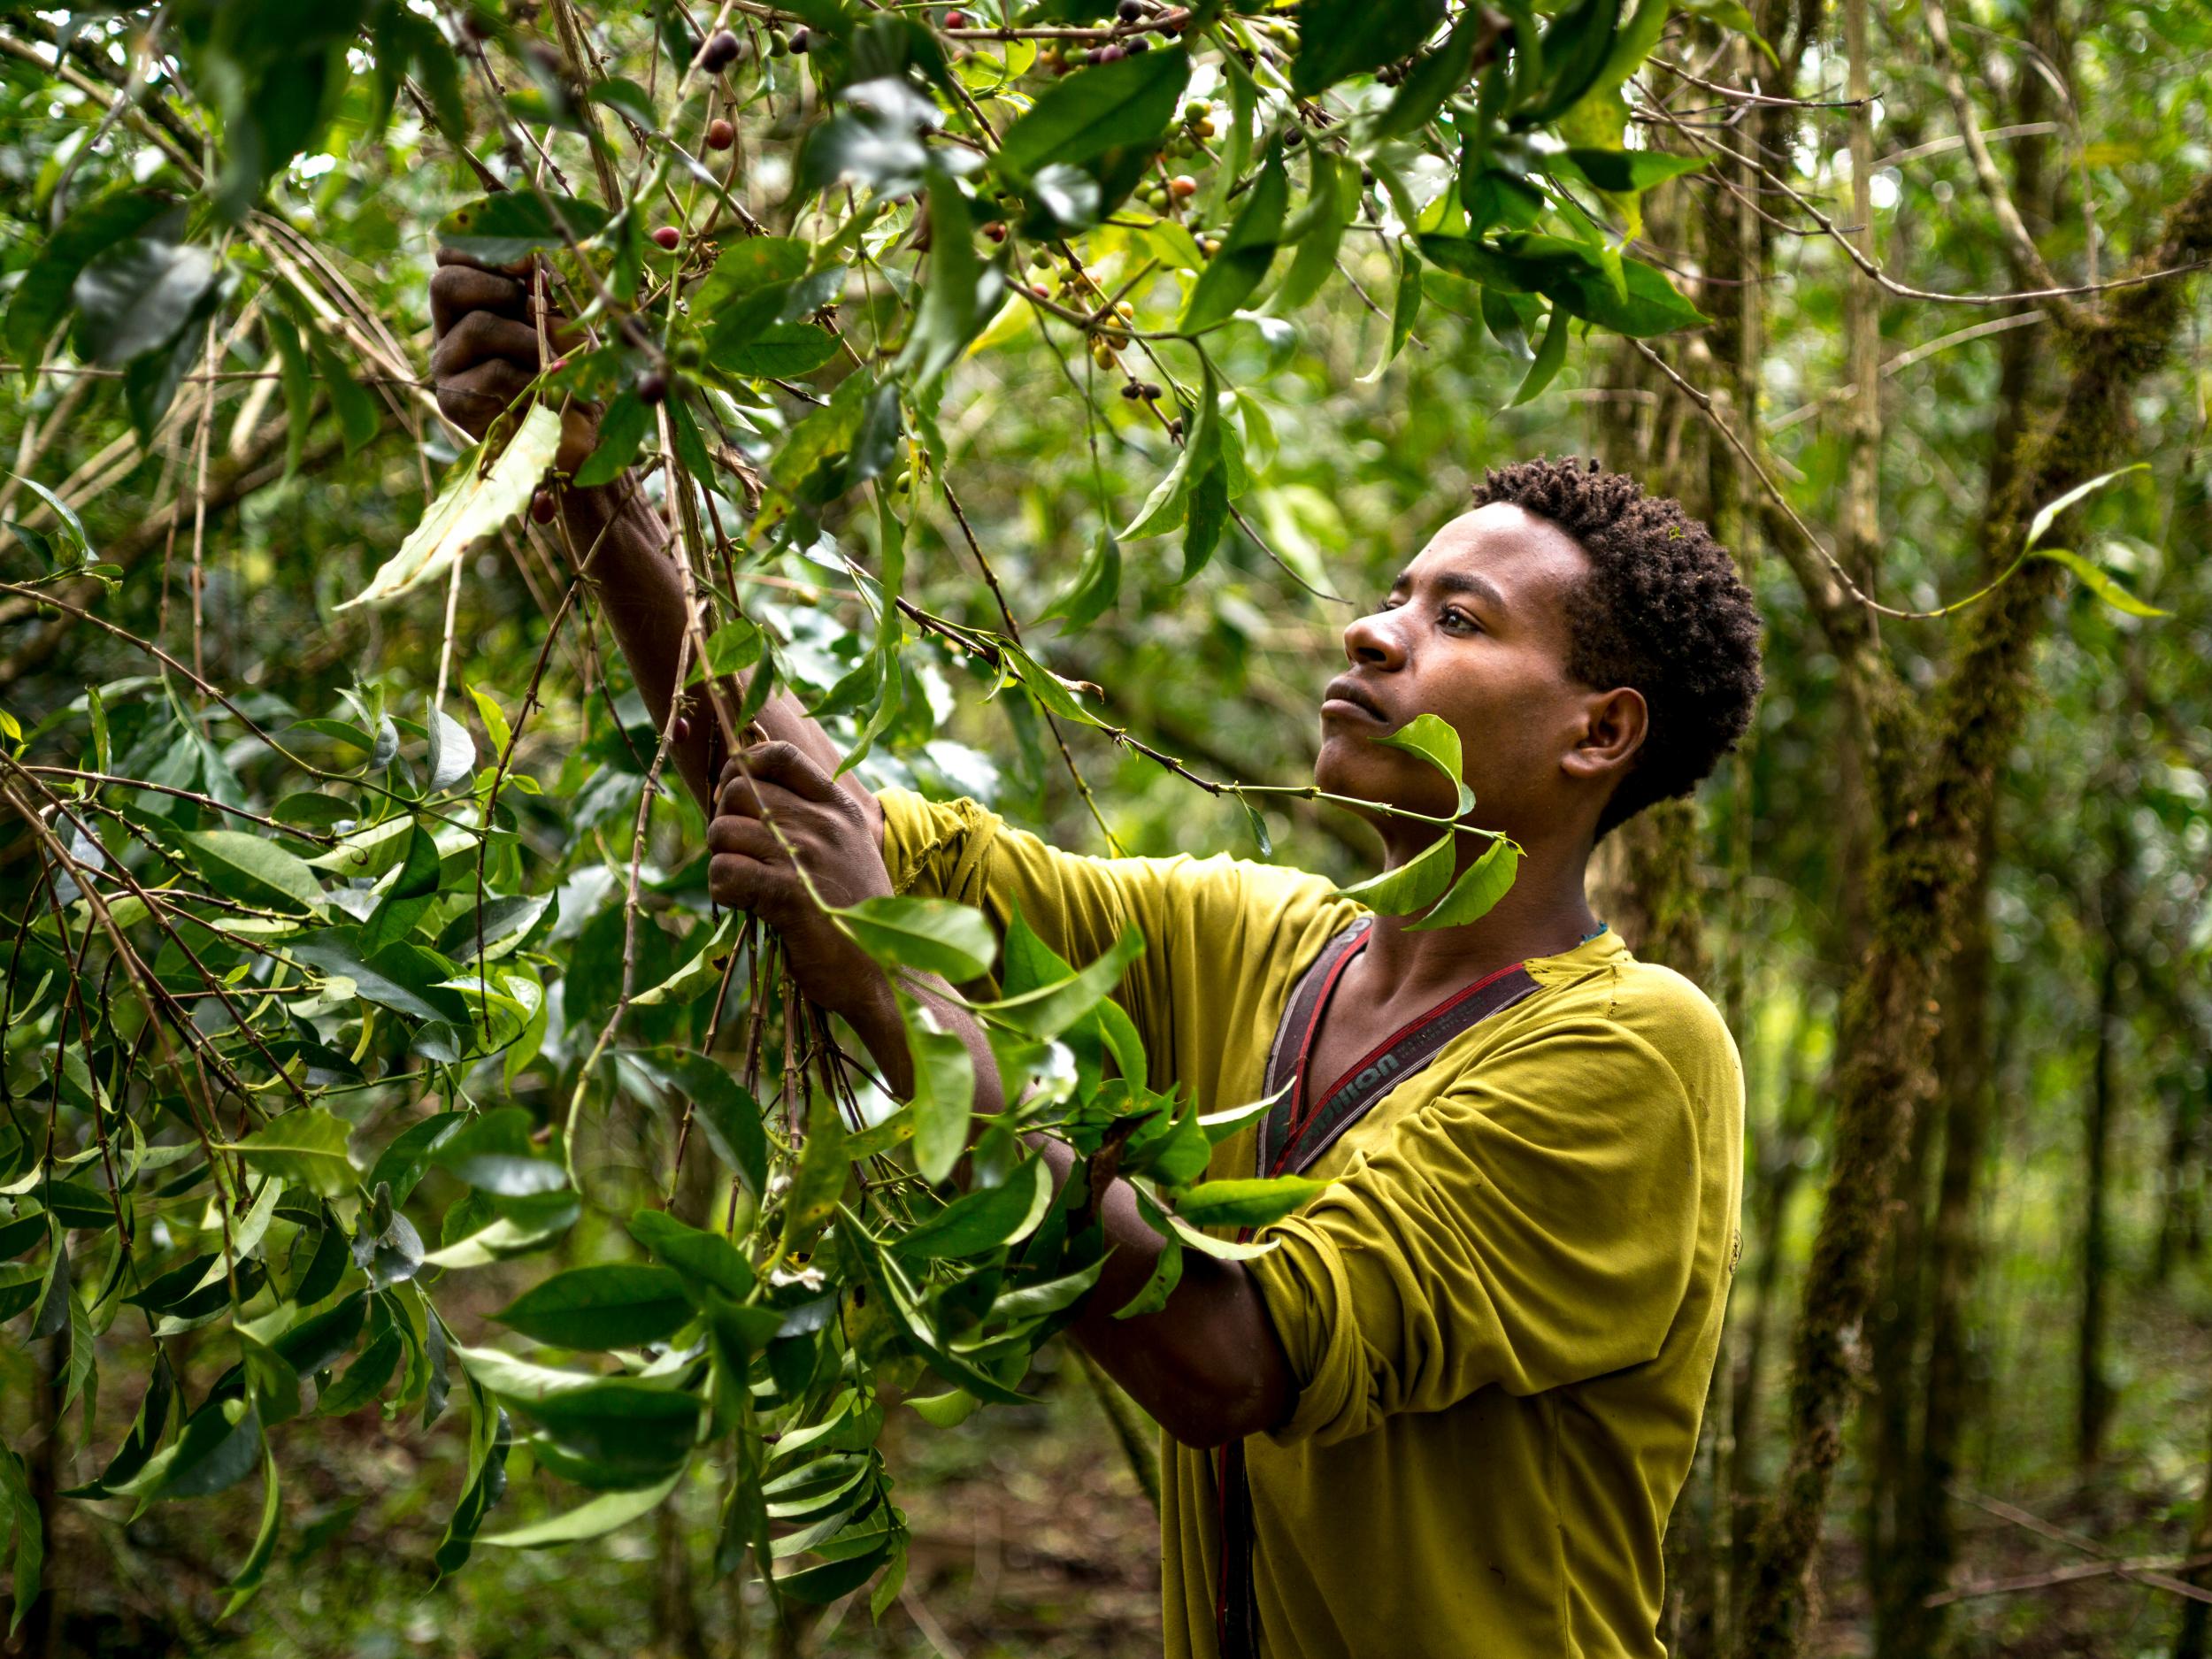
point(1533, 1225)
point(1219, 933)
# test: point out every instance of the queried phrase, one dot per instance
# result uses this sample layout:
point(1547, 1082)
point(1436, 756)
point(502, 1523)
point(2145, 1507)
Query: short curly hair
point(1663, 610)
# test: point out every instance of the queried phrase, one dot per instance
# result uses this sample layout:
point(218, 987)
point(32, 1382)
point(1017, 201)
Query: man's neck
point(1543, 914)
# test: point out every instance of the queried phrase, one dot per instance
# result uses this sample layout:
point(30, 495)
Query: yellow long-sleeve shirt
point(1503, 1316)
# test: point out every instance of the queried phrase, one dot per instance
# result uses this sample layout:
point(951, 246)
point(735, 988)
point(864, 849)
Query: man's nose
point(1373, 640)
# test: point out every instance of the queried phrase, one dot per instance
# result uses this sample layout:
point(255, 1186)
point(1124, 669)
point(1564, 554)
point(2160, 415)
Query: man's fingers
point(786, 765)
point(755, 798)
point(472, 400)
point(479, 337)
point(746, 836)
point(739, 883)
point(521, 267)
point(457, 289)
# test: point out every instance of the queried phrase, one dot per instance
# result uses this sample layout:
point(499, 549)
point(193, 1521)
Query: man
point(1449, 1411)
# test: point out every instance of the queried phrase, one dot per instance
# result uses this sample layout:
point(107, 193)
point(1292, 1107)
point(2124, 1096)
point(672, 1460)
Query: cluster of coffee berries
point(1146, 391)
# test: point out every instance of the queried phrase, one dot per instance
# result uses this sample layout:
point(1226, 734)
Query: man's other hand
point(485, 354)
point(829, 832)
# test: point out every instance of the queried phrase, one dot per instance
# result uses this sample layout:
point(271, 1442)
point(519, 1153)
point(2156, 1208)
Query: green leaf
point(1167, 1272)
point(961, 295)
point(1413, 885)
point(1549, 356)
point(1483, 884)
point(1246, 251)
point(1575, 50)
point(944, 1092)
point(2100, 583)
point(479, 495)
point(500, 229)
point(368, 1377)
point(1246, 1204)
point(30, 1537)
point(2047, 515)
point(41, 299)
point(306, 1146)
point(1112, 106)
point(1337, 38)
point(138, 295)
point(1571, 275)
point(493, 1153)
point(597, 1518)
point(981, 1221)
point(934, 935)
point(1434, 78)
point(819, 1180)
point(1626, 171)
point(248, 1577)
point(631, 1429)
point(360, 417)
point(413, 891)
point(721, 1106)
point(699, 1258)
point(254, 871)
point(1437, 741)
point(945, 1410)
point(1051, 1010)
point(1097, 585)
point(220, 1447)
point(1332, 203)
point(400, 976)
point(610, 1304)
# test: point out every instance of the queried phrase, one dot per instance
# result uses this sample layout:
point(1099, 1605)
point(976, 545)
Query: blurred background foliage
point(2034, 1434)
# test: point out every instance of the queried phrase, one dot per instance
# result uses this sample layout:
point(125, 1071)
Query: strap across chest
point(1305, 1122)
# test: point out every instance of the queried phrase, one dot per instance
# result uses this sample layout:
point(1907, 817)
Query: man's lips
point(1348, 695)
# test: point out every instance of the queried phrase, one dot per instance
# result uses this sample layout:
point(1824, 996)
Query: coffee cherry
point(685, 353)
point(652, 386)
point(1040, 290)
point(1140, 44)
point(720, 134)
point(1209, 246)
point(475, 27)
point(1112, 54)
point(956, 20)
point(1150, 391)
point(1131, 390)
point(669, 237)
point(1183, 185)
point(1129, 11)
point(779, 46)
point(1197, 110)
point(556, 365)
point(1205, 126)
point(995, 230)
point(541, 507)
point(802, 42)
point(720, 51)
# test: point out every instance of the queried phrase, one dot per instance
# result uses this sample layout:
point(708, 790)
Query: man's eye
point(1461, 617)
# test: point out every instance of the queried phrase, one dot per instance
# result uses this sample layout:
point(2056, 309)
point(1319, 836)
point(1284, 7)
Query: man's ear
point(1613, 724)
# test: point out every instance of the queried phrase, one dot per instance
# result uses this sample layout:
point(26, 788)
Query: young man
point(1449, 1412)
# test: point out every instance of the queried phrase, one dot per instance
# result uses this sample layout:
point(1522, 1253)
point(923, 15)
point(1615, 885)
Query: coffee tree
point(254, 937)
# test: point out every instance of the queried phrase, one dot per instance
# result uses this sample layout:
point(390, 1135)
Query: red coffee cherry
point(669, 237)
point(720, 134)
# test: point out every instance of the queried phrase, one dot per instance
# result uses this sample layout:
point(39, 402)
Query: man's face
point(1474, 631)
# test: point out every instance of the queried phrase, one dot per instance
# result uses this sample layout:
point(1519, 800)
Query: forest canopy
point(1034, 390)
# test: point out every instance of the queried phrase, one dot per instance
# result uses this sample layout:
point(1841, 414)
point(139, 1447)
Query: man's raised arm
point(487, 354)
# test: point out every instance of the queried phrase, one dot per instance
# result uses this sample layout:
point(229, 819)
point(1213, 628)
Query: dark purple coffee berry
point(1129, 11)
point(719, 52)
point(802, 41)
point(652, 386)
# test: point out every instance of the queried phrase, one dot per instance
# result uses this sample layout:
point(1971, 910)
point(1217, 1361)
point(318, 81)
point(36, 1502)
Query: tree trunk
point(1935, 769)
point(2093, 1386)
point(1925, 1544)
